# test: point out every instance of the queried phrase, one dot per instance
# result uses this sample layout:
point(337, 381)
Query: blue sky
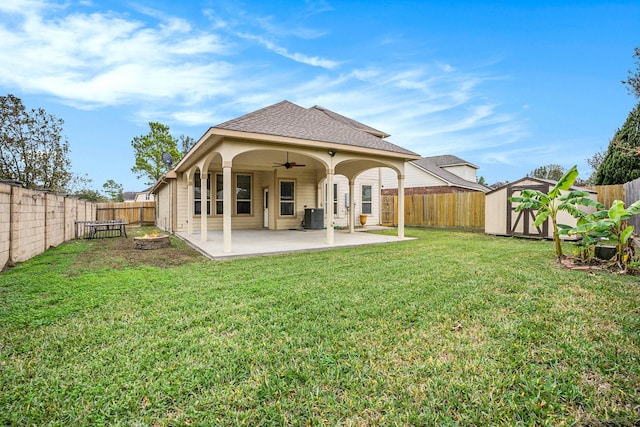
point(508, 86)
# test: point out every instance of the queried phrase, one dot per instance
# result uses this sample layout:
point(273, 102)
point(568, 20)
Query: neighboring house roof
point(129, 195)
point(434, 165)
point(450, 160)
point(315, 124)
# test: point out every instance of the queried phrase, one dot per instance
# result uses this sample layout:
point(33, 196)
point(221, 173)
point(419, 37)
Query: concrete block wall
point(5, 223)
point(27, 233)
point(33, 221)
point(54, 220)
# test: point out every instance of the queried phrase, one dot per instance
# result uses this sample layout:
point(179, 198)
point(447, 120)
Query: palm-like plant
point(548, 205)
point(612, 225)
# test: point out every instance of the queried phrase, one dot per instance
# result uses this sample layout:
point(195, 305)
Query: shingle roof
point(353, 123)
point(315, 124)
point(450, 160)
point(434, 165)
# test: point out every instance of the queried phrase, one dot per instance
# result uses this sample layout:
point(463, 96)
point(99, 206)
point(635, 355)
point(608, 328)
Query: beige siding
point(463, 171)
point(163, 207)
point(495, 214)
point(305, 196)
point(182, 219)
point(414, 177)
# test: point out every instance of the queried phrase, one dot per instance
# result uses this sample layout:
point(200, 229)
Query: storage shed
point(502, 220)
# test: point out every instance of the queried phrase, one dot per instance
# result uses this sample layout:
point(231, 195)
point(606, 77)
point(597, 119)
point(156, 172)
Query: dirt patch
point(120, 252)
point(595, 265)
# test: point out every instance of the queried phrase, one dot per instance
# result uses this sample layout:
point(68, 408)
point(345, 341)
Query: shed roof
point(549, 182)
point(316, 124)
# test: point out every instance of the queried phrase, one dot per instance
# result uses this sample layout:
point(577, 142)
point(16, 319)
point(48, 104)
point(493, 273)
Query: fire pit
point(151, 242)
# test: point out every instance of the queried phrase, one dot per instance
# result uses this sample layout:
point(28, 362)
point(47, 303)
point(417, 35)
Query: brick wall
point(33, 221)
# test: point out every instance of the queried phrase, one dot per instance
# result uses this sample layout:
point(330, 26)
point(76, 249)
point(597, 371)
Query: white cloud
point(167, 69)
point(314, 61)
point(103, 59)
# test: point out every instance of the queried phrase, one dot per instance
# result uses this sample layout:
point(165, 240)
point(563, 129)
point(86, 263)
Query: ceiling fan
point(288, 164)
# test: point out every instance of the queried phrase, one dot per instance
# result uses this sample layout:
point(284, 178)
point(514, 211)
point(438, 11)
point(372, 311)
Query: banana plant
point(548, 205)
point(610, 224)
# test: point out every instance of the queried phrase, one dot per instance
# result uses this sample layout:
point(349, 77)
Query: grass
point(451, 329)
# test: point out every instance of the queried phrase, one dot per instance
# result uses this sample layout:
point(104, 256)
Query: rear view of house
point(268, 168)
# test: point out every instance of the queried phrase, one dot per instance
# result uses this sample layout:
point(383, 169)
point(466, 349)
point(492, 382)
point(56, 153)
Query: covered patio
point(267, 169)
point(247, 243)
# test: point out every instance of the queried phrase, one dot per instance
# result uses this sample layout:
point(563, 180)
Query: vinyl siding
point(465, 172)
point(163, 207)
point(414, 177)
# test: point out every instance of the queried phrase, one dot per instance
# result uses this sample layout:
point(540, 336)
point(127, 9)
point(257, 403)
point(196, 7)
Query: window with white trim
point(219, 194)
point(243, 194)
point(366, 199)
point(287, 198)
point(197, 194)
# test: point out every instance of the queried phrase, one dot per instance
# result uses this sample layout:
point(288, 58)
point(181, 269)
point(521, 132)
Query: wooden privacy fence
point(142, 213)
point(465, 210)
point(608, 193)
point(632, 193)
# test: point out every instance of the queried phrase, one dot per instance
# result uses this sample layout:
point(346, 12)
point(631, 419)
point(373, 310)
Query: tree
point(548, 205)
point(187, 143)
point(620, 164)
point(551, 171)
point(148, 152)
point(114, 191)
point(633, 82)
point(32, 148)
point(89, 195)
point(482, 181)
point(594, 161)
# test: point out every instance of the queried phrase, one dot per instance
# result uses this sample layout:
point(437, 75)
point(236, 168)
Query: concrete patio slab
point(246, 243)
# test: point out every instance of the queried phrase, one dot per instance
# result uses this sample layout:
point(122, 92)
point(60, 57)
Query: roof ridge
point(314, 124)
point(351, 122)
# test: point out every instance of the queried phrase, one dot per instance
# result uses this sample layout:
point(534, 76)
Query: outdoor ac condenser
point(314, 219)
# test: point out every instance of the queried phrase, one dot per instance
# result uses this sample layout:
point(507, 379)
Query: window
point(197, 194)
point(366, 200)
point(219, 193)
point(243, 194)
point(335, 199)
point(287, 198)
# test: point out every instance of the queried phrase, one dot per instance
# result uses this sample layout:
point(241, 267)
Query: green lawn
point(451, 329)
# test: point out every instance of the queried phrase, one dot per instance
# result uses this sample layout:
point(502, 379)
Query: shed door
point(522, 223)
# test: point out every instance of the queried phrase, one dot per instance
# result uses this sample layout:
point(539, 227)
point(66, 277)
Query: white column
point(401, 206)
point(329, 207)
point(203, 206)
point(227, 205)
point(190, 207)
point(352, 207)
